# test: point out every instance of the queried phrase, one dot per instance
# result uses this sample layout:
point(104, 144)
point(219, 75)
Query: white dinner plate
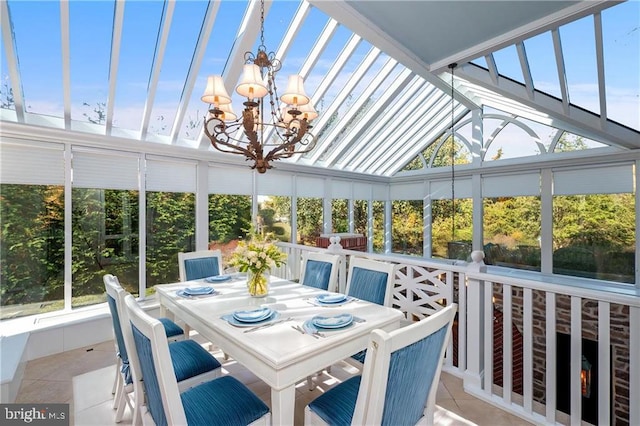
point(334, 321)
point(218, 278)
point(231, 320)
point(328, 298)
point(253, 315)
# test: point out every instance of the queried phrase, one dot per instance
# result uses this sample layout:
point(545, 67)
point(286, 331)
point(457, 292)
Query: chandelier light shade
point(271, 127)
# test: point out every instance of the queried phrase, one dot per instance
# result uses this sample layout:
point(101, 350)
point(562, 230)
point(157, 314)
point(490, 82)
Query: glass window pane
point(36, 27)
point(229, 221)
point(451, 232)
point(621, 39)
point(140, 31)
point(90, 30)
point(6, 91)
point(542, 64)
point(340, 215)
point(594, 236)
point(274, 216)
point(309, 223)
point(170, 229)
point(32, 255)
point(406, 228)
point(508, 63)
point(378, 226)
point(579, 50)
point(511, 232)
point(105, 241)
point(360, 217)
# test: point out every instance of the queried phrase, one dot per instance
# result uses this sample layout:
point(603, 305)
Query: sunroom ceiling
point(376, 70)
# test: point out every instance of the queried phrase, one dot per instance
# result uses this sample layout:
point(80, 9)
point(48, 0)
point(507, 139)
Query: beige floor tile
point(45, 391)
point(93, 388)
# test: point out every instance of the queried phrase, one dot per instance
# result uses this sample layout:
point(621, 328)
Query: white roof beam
point(578, 120)
point(389, 129)
point(396, 104)
point(161, 45)
point(362, 69)
point(562, 73)
point(366, 94)
point(321, 44)
point(118, 19)
point(493, 68)
point(435, 126)
point(66, 59)
point(352, 139)
point(526, 70)
point(435, 118)
point(194, 68)
point(12, 61)
point(597, 21)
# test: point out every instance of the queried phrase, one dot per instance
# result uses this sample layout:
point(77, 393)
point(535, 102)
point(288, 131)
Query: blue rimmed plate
point(334, 321)
point(330, 298)
point(233, 321)
point(253, 315)
point(218, 278)
point(197, 291)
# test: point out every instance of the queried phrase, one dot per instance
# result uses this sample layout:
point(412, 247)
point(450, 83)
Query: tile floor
point(84, 378)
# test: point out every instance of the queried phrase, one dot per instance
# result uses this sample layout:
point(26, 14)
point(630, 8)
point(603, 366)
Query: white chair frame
point(182, 256)
point(373, 386)
point(333, 259)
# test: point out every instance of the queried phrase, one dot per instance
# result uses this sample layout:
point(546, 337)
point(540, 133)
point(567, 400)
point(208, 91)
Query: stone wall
point(619, 335)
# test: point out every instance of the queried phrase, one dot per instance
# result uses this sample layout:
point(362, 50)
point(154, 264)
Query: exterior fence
point(551, 350)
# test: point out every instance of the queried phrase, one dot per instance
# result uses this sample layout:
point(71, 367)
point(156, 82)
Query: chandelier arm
point(219, 143)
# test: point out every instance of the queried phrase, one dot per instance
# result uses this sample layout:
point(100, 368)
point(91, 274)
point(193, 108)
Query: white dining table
point(279, 355)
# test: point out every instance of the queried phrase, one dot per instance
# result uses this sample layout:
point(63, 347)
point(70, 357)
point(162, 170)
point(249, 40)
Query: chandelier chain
point(262, 23)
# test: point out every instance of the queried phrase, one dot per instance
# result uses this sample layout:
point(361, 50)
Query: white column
point(474, 373)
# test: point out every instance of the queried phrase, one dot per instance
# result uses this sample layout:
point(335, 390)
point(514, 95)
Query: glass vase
point(258, 283)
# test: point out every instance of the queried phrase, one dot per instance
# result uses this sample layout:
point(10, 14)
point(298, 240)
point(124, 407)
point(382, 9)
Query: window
point(309, 214)
point(340, 215)
point(406, 227)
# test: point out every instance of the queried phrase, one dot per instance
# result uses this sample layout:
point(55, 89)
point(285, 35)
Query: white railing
point(532, 307)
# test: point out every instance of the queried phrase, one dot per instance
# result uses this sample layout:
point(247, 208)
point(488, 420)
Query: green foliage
point(229, 217)
point(309, 220)
point(406, 228)
point(340, 215)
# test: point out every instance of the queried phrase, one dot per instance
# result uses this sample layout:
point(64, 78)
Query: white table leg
point(283, 405)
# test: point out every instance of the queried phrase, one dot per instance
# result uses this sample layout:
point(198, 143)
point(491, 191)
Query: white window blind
point(380, 192)
point(361, 191)
point(273, 183)
point(104, 170)
point(340, 189)
point(235, 181)
point(441, 190)
point(511, 185)
point(170, 176)
point(597, 180)
point(407, 191)
point(309, 187)
point(32, 163)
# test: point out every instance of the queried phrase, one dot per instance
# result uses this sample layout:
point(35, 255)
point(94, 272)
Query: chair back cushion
point(317, 274)
point(368, 285)
point(117, 330)
point(150, 382)
point(411, 373)
point(202, 267)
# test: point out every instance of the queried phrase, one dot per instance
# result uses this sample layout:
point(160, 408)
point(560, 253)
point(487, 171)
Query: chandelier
point(270, 128)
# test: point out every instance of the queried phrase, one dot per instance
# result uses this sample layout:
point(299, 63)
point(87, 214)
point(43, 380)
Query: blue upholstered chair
point(223, 401)
point(193, 363)
point(122, 383)
point(399, 381)
point(200, 264)
point(371, 280)
point(320, 270)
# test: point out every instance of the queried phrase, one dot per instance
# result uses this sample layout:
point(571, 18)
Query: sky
point(36, 25)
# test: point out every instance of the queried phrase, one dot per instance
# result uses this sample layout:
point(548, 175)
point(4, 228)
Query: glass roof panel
point(185, 27)
point(221, 41)
point(324, 64)
point(481, 62)
point(621, 39)
point(302, 45)
point(90, 30)
point(39, 56)
point(508, 63)
point(6, 91)
point(140, 30)
point(542, 64)
point(580, 63)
